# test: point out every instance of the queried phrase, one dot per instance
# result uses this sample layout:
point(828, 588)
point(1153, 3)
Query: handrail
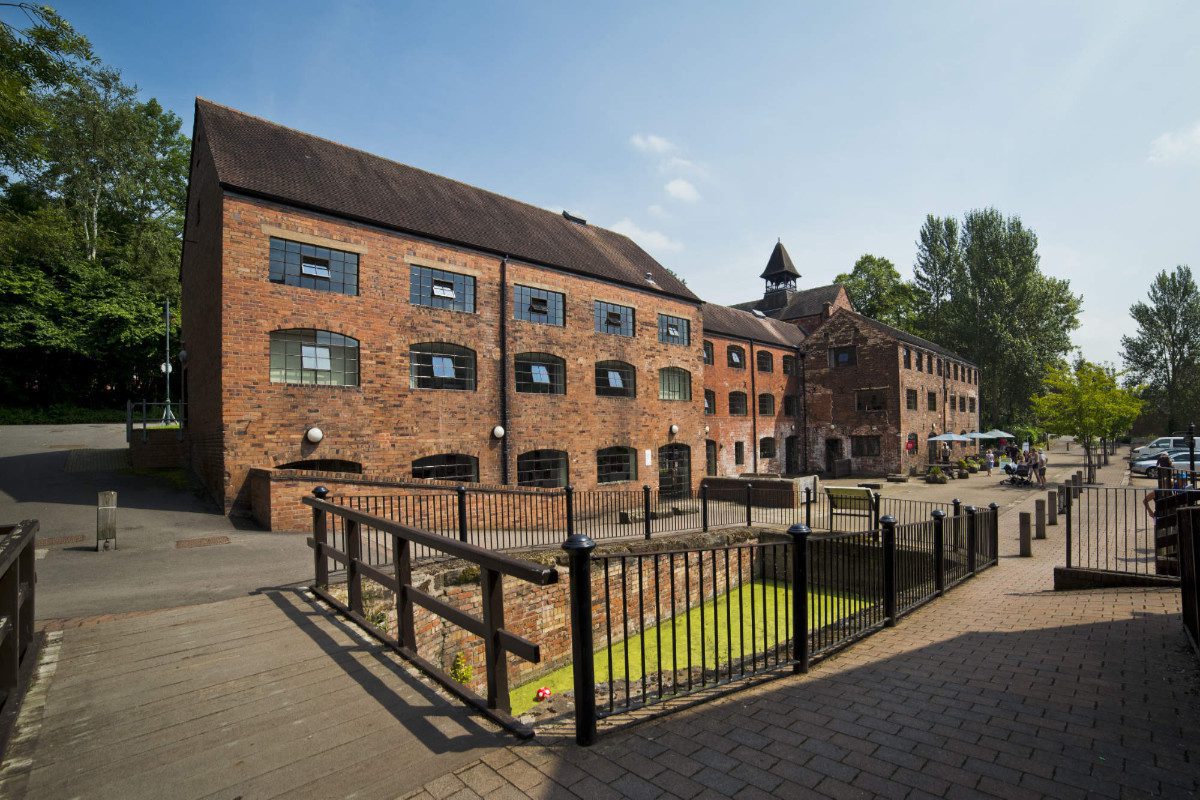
point(488, 559)
point(18, 642)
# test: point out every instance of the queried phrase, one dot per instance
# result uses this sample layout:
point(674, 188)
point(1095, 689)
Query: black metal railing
point(142, 416)
point(499, 642)
point(1129, 530)
point(18, 649)
point(1189, 572)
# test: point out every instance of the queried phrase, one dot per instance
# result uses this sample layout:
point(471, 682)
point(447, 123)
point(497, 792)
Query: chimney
point(827, 312)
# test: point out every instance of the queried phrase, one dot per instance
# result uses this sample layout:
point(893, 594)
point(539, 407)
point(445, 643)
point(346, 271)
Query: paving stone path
point(1003, 688)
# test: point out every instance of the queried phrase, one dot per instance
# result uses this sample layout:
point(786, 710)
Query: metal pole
point(749, 514)
point(995, 509)
point(168, 415)
point(800, 654)
point(1067, 514)
point(1192, 453)
point(704, 507)
point(462, 513)
point(972, 533)
point(646, 510)
point(939, 550)
point(579, 558)
point(808, 506)
point(569, 493)
point(888, 523)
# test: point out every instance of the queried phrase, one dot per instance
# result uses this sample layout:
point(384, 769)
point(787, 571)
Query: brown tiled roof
point(803, 303)
point(267, 160)
point(906, 337)
point(779, 265)
point(726, 321)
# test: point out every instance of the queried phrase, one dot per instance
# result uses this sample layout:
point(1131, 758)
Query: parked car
point(1149, 466)
point(1160, 444)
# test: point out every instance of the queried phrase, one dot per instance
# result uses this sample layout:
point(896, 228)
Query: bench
point(850, 501)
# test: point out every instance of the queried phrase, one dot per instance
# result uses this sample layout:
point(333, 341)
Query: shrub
point(460, 670)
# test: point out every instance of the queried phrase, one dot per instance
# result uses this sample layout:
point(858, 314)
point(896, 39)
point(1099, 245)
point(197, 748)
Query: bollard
point(579, 557)
point(1039, 519)
point(1026, 537)
point(106, 521)
point(1051, 508)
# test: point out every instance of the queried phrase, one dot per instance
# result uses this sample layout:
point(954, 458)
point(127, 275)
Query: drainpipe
point(800, 365)
point(753, 409)
point(504, 371)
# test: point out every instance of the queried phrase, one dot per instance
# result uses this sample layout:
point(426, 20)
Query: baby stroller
point(1018, 474)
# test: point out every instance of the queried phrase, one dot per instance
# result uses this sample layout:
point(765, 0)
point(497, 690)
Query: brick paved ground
point(1001, 689)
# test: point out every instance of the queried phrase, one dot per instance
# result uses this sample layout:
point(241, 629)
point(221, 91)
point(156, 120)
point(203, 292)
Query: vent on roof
point(572, 218)
point(759, 314)
point(650, 277)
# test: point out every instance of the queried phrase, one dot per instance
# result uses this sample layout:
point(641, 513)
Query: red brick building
point(427, 328)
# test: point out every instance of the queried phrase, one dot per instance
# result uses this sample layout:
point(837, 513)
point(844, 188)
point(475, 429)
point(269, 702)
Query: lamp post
point(168, 416)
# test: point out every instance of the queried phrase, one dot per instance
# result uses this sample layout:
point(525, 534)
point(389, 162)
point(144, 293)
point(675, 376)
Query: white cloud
point(651, 143)
point(657, 211)
point(652, 240)
point(1175, 147)
point(677, 165)
point(683, 190)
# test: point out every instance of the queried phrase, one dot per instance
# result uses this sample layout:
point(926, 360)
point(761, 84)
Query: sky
point(707, 131)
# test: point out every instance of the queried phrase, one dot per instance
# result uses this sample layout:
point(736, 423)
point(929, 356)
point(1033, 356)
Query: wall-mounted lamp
point(674, 429)
point(498, 432)
point(314, 435)
point(706, 429)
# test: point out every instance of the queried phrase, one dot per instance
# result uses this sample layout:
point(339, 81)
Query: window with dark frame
point(313, 357)
point(962, 403)
point(708, 352)
point(869, 400)
point(864, 446)
point(673, 330)
point(710, 402)
point(766, 405)
point(789, 365)
point(616, 464)
point(538, 305)
point(615, 379)
point(439, 365)
point(766, 361)
point(737, 404)
point(612, 318)
point(907, 358)
point(843, 356)
point(447, 467)
point(910, 399)
point(739, 453)
point(766, 447)
point(548, 469)
point(920, 361)
point(952, 404)
point(540, 373)
point(311, 267)
point(939, 368)
point(971, 404)
point(674, 383)
point(791, 407)
point(438, 288)
point(735, 356)
point(955, 371)
point(931, 400)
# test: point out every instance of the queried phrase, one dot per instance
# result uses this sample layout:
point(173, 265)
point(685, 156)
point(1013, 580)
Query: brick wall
point(933, 377)
point(158, 449)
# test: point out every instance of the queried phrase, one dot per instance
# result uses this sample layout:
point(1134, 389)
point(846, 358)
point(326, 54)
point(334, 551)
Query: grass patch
point(823, 608)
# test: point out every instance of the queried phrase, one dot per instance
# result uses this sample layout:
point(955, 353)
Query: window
point(312, 267)
point(673, 330)
point(789, 365)
point(914, 444)
point(447, 467)
point(869, 400)
point(736, 356)
point(910, 399)
point(616, 464)
point(537, 305)
point(545, 468)
point(843, 356)
point(907, 358)
point(739, 453)
point(674, 384)
point(939, 368)
point(710, 402)
point(791, 407)
point(931, 399)
point(615, 379)
point(864, 446)
point(540, 373)
point(956, 371)
point(313, 357)
point(766, 447)
point(710, 458)
point(766, 405)
point(708, 352)
point(766, 361)
point(438, 365)
point(438, 288)
point(962, 403)
point(612, 318)
point(737, 404)
point(971, 404)
point(951, 405)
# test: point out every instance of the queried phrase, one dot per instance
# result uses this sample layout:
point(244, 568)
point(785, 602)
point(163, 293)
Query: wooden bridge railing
point(17, 651)
point(492, 567)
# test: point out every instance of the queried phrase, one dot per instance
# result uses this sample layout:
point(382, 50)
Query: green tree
point(1086, 402)
point(938, 268)
point(877, 291)
point(1164, 354)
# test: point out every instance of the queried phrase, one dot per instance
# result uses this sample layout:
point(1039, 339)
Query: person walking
point(1041, 467)
point(989, 458)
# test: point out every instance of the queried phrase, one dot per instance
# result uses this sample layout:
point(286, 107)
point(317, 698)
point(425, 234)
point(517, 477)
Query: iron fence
point(1128, 530)
point(143, 416)
point(1189, 572)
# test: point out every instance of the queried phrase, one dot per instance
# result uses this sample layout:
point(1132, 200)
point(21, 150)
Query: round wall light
point(674, 429)
point(498, 432)
point(314, 435)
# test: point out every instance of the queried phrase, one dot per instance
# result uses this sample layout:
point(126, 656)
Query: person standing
point(989, 459)
point(1041, 467)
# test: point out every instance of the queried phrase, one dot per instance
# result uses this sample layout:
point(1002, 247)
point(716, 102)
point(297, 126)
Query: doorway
point(833, 453)
point(710, 458)
point(674, 470)
point(791, 455)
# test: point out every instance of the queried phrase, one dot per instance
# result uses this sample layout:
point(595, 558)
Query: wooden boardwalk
point(258, 697)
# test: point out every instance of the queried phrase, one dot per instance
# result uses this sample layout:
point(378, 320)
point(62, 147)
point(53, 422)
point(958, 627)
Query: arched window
point(540, 373)
point(615, 379)
point(736, 356)
point(616, 464)
point(447, 467)
point(766, 405)
point(737, 404)
point(324, 465)
point(438, 365)
point(708, 352)
point(710, 402)
point(674, 384)
point(306, 356)
point(766, 447)
point(766, 362)
point(546, 468)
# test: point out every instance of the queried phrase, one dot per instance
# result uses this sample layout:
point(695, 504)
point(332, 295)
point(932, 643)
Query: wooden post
point(1026, 535)
point(353, 576)
point(106, 521)
point(1039, 519)
point(321, 537)
point(492, 583)
point(1052, 508)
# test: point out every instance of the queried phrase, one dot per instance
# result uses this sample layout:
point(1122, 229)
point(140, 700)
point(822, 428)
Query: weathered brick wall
point(384, 425)
point(159, 449)
point(924, 421)
point(726, 429)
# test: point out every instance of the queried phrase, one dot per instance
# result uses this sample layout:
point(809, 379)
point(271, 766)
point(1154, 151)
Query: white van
point(1160, 444)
